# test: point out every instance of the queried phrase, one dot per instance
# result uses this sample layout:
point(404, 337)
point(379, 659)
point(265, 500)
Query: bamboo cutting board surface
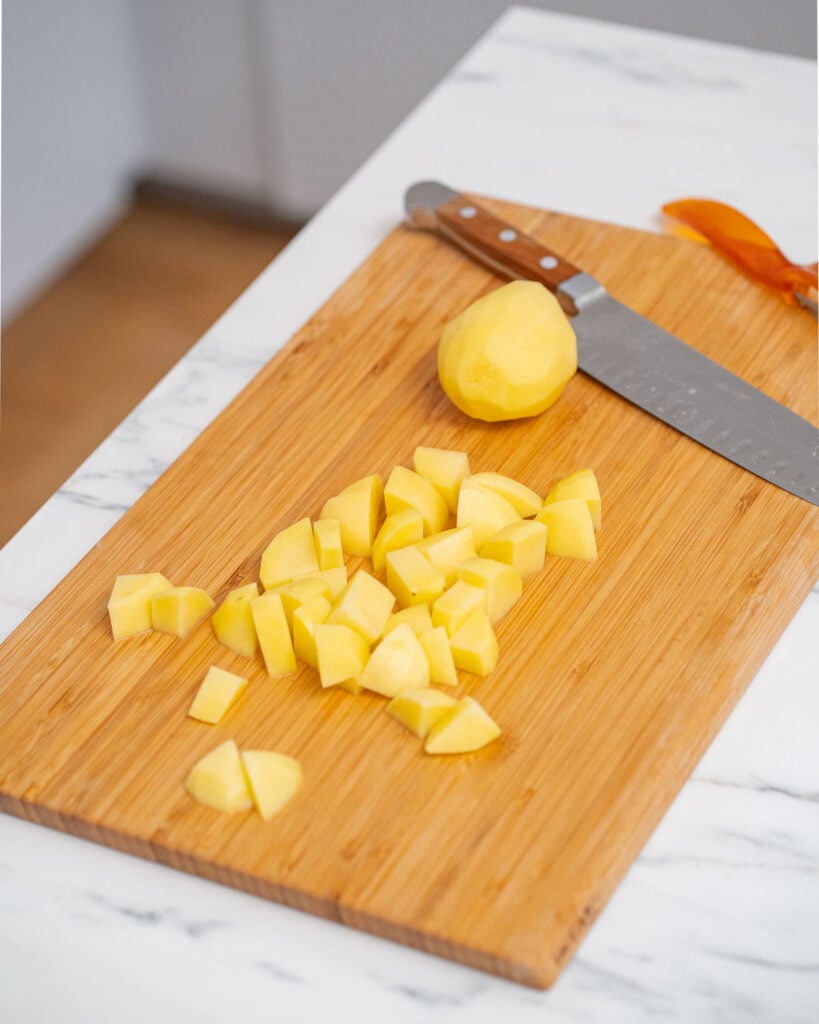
point(614, 676)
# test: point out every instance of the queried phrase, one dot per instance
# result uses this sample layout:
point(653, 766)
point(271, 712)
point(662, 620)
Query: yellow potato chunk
point(364, 605)
point(397, 531)
point(341, 654)
point(397, 664)
point(273, 633)
point(179, 610)
point(582, 484)
point(295, 593)
point(508, 355)
point(444, 469)
point(413, 578)
point(218, 690)
point(272, 778)
point(570, 530)
point(218, 780)
point(291, 553)
point(327, 538)
point(232, 621)
point(501, 582)
point(522, 544)
point(453, 606)
point(462, 729)
point(407, 489)
point(523, 499)
point(419, 710)
point(416, 616)
point(129, 607)
point(474, 645)
point(446, 550)
point(357, 509)
point(485, 511)
point(305, 619)
point(336, 579)
point(435, 643)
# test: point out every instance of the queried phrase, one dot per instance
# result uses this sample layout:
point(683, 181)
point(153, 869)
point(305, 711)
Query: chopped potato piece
point(274, 634)
point(522, 544)
point(341, 653)
point(485, 511)
point(327, 538)
point(523, 499)
point(179, 610)
point(305, 619)
point(272, 778)
point(582, 484)
point(357, 509)
point(462, 729)
point(444, 469)
point(364, 605)
point(501, 582)
point(435, 643)
point(219, 689)
point(129, 607)
point(397, 664)
point(218, 780)
point(412, 577)
point(448, 549)
point(406, 489)
point(291, 553)
point(453, 606)
point(419, 710)
point(398, 530)
point(416, 616)
point(336, 579)
point(295, 593)
point(233, 621)
point(570, 529)
point(474, 644)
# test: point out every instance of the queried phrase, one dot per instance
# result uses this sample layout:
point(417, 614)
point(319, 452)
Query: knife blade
point(634, 357)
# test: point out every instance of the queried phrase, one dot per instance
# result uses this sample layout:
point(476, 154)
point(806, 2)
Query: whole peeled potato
point(509, 354)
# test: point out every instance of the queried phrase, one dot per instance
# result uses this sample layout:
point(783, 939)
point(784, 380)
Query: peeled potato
point(508, 355)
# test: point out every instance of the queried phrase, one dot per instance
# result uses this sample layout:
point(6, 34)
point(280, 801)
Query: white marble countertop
point(718, 920)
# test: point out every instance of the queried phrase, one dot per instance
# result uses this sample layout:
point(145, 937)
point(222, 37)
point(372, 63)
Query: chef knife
point(633, 356)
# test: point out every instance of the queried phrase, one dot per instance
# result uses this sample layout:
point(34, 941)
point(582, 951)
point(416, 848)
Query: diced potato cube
point(435, 643)
point(453, 606)
point(522, 544)
point(272, 778)
point(218, 780)
point(474, 645)
point(398, 530)
point(336, 579)
point(219, 689)
point(179, 610)
point(570, 529)
point(523, 499)
point(501, 582)
point(416, 616)
point(448, 549)
point(419, 710)
point(327, 538)
point(295, 593)
point(305, 620)
point(582, 484)
point(129, 607)
point(412, 577)
point(273, 633)
point(357, 509)
point(464, 728)
point(406, 489)
point(485, 511)
point(341, 653)
point(233, 621)
point(364, 605)
point(397, 664)
point(444, 469)
point(291, 553)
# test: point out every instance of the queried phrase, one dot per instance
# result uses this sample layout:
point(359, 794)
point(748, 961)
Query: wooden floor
point(85, 352)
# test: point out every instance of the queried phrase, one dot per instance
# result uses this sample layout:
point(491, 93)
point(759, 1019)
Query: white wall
point(72, 132)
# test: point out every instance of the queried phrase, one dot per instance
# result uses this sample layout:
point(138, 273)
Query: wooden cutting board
point(613, 678)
